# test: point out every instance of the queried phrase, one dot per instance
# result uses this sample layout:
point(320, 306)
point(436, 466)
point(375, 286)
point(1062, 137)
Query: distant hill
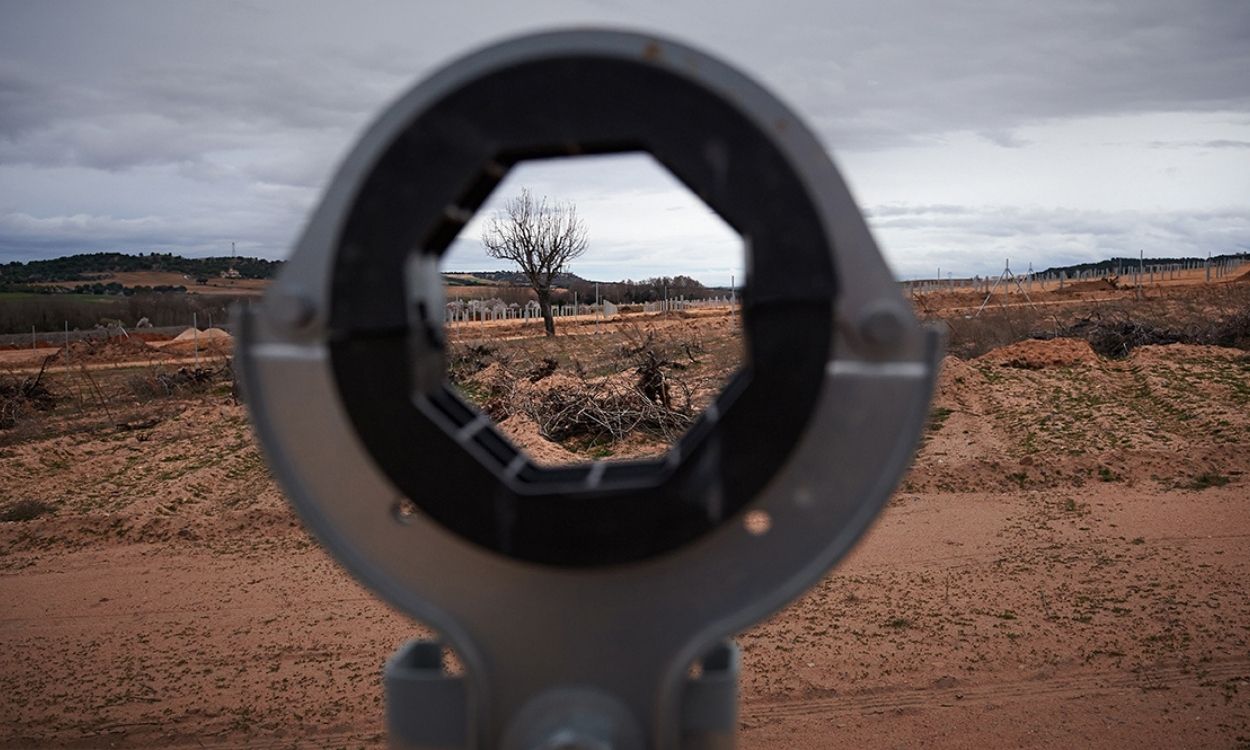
point(91, 266)
point(470, 278)
point(95, 266)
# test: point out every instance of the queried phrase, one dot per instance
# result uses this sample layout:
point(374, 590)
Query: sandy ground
point(1064, 566)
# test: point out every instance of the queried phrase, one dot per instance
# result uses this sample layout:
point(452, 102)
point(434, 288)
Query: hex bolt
point(882, 328)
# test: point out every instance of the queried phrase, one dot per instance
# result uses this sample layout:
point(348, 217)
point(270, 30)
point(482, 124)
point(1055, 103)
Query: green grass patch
point(938, 417)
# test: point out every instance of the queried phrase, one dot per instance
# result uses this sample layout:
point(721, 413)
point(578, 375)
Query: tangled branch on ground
point(465, 360)
point(1118, 336)
point(158, 382)
point(605, 411)
point(640, 394)
point(18, 396)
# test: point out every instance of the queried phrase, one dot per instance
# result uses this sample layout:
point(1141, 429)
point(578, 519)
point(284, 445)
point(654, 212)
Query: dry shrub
point(1218, 316)
point(640, 394)
point(21, 395)
point(971, 336)
point(1118, 336)
point(25, 510)
point(162, 382)
point(465, 360)
point(608, 410)
point(541, 370)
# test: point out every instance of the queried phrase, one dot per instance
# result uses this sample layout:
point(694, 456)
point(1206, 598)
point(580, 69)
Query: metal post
point(1141, 261)
point(195, 326)
point(32, 338)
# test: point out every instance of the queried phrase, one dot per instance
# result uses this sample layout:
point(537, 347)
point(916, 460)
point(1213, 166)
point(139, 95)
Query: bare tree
point(539, 237)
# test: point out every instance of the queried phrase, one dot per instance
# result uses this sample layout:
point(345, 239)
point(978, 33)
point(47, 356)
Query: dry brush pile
point(21, 395)
point(1215, 317)
point(646, 389)
point(164, 382)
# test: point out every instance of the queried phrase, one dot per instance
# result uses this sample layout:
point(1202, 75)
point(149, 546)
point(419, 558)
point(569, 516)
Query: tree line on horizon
point(90, 266)
point(1128, 264)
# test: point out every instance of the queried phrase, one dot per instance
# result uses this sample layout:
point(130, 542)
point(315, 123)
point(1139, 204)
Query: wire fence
point(48, 339)
point(1132, 273)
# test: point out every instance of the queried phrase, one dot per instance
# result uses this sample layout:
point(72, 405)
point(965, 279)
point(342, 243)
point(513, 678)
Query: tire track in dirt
point(1069, 686)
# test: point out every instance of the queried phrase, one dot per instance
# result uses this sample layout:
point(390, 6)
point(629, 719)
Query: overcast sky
point(1047, 132)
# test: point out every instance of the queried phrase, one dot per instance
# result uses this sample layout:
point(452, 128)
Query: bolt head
point(882, 328)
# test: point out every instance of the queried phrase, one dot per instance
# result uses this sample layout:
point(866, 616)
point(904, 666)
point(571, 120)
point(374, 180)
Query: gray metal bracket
point(564, 651)
point(427, 707)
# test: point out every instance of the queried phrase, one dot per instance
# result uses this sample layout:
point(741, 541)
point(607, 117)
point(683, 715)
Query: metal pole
point(1141, 261)
point(195, 326)
point(32, 338)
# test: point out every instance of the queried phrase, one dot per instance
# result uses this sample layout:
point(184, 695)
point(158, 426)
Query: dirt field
point(214, 285)
point(1064, 566)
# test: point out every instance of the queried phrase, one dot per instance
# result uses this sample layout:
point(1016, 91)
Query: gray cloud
point(223, 121)
point(1217, 143)
point(868, 75)
point(978, 239)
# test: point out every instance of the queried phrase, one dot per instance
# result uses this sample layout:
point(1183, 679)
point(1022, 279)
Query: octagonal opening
point(645, 309)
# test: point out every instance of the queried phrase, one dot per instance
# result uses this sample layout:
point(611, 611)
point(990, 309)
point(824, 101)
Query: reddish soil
point(1064, 566)
point(137, 347)
point(1033, 354)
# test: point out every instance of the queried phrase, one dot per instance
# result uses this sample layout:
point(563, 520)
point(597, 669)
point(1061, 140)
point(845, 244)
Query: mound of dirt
point(205, 335)
point(956, 377)
point(1093, 285)
point(1243, 279)
point(113, 349)
point(209, 341)
point(1035, 354)
point(1154, 353)
point(524, 434)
